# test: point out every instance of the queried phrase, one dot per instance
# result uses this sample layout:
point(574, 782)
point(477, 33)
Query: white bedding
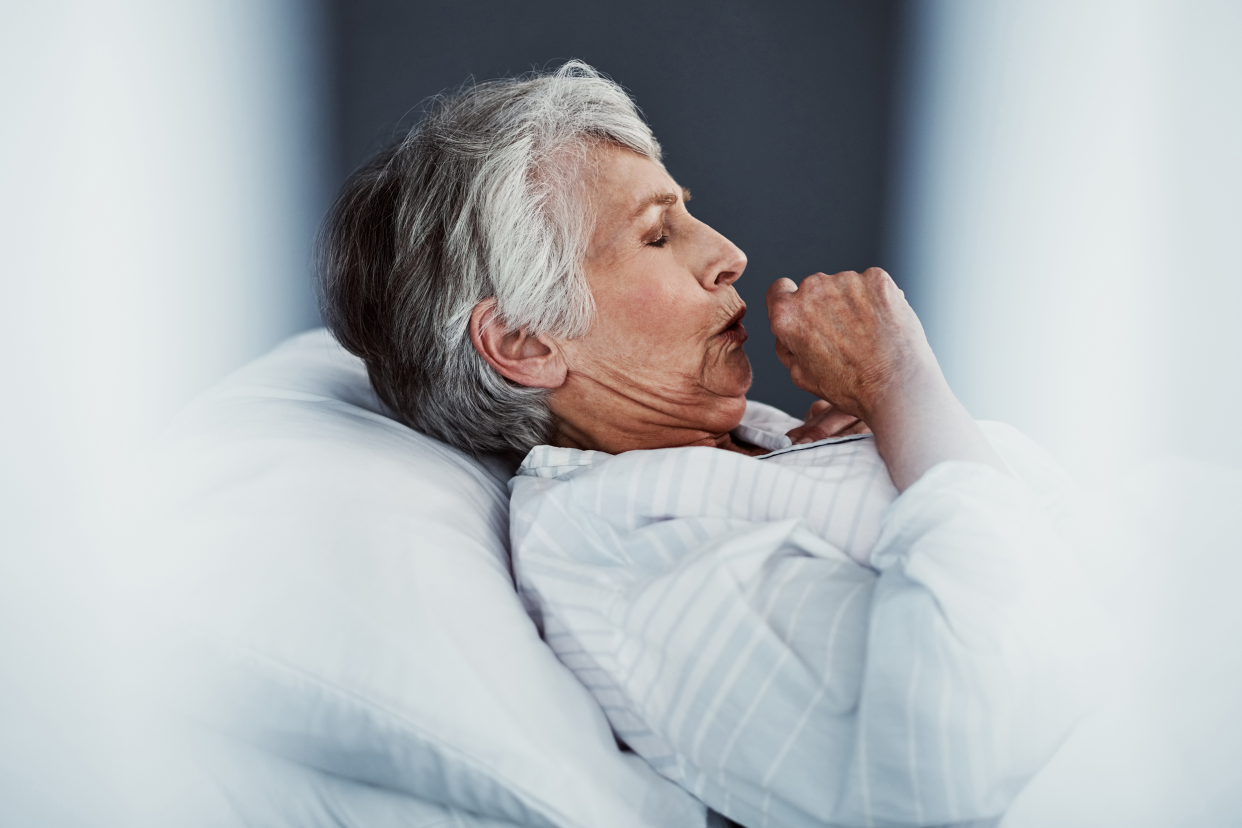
point(1163, 544)
point(322, 541)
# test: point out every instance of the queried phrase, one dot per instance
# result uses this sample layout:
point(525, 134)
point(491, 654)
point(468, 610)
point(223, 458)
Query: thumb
point(779, 288)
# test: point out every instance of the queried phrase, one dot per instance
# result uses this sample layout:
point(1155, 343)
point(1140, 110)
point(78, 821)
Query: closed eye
point(659, 242)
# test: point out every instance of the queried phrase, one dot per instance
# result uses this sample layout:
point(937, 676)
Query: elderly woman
point(802, 623)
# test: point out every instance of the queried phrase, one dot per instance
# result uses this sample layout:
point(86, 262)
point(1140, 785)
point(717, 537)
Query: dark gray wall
point(776, 114)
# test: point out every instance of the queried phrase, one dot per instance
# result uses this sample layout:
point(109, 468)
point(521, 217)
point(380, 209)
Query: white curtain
point(1069, 204)
point(162, 166)
point(1068, 214)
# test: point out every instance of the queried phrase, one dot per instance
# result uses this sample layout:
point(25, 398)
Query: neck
point(568, 436)
point(591, 416)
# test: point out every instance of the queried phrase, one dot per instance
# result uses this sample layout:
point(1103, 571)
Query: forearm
point(919, 422)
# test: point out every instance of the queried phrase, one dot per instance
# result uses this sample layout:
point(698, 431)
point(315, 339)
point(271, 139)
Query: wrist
point(919, 387)
point(919, 422)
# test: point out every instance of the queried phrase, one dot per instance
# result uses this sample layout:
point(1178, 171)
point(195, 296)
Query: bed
point(343, 644)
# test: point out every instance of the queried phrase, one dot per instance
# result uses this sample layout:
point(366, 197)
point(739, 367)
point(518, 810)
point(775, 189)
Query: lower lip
point(734, 333)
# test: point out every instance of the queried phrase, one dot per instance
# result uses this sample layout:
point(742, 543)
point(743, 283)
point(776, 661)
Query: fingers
point(823, 431)
point(802, 434)
point(780, 290)
point(817, 407)
point(813, 427)
point(822, 422)
point(845, 337)
point(784, 354)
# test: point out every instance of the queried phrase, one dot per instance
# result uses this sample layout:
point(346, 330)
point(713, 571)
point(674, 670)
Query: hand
point(852, 339)
point(824, 421)
point(849, 338)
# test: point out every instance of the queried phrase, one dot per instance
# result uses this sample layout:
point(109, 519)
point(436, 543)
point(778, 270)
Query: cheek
point(658, 313)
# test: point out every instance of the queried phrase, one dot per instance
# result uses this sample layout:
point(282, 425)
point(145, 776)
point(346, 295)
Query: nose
point(724, 262)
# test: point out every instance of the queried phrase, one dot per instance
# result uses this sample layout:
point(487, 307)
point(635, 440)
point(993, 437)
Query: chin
point(744, 376)
point(731, 380)
point(733, 394)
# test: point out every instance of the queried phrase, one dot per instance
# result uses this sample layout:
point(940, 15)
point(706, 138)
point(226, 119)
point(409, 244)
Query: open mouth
point(734, 329)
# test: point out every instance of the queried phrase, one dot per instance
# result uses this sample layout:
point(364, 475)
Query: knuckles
point(836, 294)
point(835, 333)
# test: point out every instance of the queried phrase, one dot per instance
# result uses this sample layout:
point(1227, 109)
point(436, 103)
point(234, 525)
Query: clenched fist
point(850, 338)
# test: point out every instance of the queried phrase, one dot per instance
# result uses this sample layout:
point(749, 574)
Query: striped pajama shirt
point(797, 644)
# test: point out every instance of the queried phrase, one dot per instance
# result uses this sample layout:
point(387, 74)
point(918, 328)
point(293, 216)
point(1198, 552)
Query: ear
point(533, 361)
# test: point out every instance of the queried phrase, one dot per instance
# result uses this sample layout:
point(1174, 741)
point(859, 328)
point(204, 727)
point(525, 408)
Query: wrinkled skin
point(662, 365)
point(849, 338)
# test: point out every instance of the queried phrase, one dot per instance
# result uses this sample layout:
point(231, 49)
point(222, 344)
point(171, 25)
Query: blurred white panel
point(161, 171)
point(1066, 219)
point(1201, 291)
point(1069, 209)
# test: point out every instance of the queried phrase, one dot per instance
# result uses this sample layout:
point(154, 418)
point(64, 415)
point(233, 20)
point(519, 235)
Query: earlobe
point(533, 361)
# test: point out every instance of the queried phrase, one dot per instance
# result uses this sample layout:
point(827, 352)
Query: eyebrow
point(663, 198)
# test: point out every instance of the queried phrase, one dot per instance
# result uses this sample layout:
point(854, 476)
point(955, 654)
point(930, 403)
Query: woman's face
point(666, 343)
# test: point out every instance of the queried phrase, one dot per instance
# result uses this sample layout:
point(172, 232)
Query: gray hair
point(482, 199)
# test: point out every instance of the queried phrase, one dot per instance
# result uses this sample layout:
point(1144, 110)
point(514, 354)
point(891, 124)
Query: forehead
point(625, 185)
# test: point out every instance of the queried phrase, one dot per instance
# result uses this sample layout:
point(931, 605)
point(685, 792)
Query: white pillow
point(266, 790)
point(342, 595)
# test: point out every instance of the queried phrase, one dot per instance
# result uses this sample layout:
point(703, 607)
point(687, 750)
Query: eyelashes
point(659, 235)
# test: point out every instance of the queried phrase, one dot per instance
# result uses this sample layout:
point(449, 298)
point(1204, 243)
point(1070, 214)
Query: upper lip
point(733, 320)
